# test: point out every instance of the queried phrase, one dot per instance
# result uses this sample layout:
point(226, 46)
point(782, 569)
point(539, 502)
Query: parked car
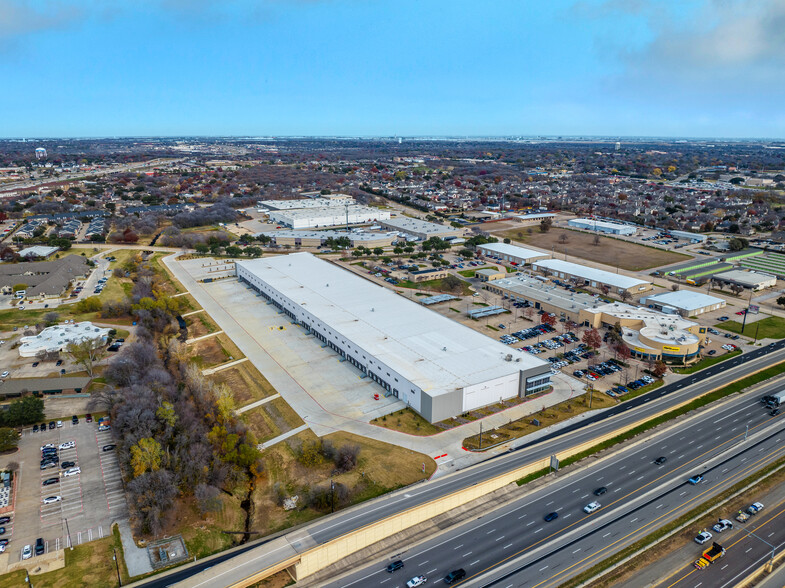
point(722, 525)
point(109, 447)
point(67, 464)
point(27, 552)
point(50, 481)
point(72, 472)
point(52, 499)
point(5, 520)
point(702, 537)
point(39, 546)
point(67, 445)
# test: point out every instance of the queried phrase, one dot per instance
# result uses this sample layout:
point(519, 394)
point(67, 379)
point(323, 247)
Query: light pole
point(770, 564)
point(68, 531)
point(117, 566)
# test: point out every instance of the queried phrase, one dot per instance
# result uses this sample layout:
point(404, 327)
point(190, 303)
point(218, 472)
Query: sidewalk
point(136, 559)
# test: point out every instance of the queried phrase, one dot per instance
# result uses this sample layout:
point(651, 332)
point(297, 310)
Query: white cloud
point(21, 17)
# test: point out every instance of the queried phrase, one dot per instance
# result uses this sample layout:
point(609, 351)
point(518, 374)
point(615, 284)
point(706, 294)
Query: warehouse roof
point(328, 211)
point(745, 277)
point(300, 203)
point(512, 250)
point(305, 234)
point(38, 251)
point(685, 299)
point(435, 353)
point(589, 273)
point(532, 289)
point(16, 386)
point(418, 226)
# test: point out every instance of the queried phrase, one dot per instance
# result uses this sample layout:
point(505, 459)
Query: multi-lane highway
point(515, 546)
point(582, 430)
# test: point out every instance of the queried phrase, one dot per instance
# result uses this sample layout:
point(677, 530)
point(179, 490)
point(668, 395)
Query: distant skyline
point(602, 68)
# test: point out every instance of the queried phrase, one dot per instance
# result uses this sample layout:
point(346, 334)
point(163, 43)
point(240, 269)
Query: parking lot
point(86, 478)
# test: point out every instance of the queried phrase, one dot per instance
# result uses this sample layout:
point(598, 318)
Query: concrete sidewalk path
point(257, 403)
point(280, 438)
point(223, 366)
point(207, 336)
point(136, 558)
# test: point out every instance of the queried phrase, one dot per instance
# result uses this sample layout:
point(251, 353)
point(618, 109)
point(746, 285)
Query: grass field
point(613, 252)
point(406, 421)
point(469, 273)
point(214, 351)
point(772, 327)
point(437, 286)
point(707, 362)
point(199, 324)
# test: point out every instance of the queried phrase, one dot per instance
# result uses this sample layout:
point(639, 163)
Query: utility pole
point(117, 567)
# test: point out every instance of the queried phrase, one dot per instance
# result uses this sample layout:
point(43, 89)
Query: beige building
point(650, 334)
point(424, 275)
point(583, 275)
point(489, 274)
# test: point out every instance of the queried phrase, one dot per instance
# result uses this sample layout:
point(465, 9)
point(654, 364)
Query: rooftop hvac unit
point(508, 357)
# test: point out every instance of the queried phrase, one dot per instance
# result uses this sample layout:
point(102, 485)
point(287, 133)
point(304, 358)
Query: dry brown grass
point(271, 419)
point(246, 383)
point(546, 417)
point(613, 252)
point(381, 468)
point(188, 303)
point(200, 324)
point(215, 351)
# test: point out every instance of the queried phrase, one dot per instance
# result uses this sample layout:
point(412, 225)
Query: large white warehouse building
point(590, 224)
point(331, 216)
point(511, 253)
point(437, 366)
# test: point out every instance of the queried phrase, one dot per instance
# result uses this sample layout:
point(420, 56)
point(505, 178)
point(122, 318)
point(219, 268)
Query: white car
point(59, 424)
point(591, 507)
point(72, 471)
point(5, 374)
point(416, 581)
point(52, 499)
point(27, 552)
point(48, 446)
point(67, 445)
point(722, 525)
point(702, 537)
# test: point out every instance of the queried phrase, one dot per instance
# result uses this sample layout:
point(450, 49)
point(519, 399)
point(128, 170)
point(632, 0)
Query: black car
point(109, 447)
point(35, 428)
point(774, 411)
point(454, 576)
point(600, 491)
point(75, 420)
point(4, 542)
point(52, 424)
point(2, 530)
point(551, 516)
point(43, 427)
point(67, 464)
point(661, 460)
point(396, 565)
point(59, 362)
point(4, 520)
point(35, 364)
point(50, 481)
point(39, 546)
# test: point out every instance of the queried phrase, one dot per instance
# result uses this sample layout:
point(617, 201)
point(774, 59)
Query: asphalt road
point(514, 546)
point(744, 553)
point(581, 430)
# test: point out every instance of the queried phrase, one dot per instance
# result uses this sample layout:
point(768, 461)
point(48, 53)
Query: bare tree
point(87, 353)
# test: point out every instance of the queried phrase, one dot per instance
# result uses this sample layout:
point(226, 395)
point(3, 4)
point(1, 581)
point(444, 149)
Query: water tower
point(40, 153)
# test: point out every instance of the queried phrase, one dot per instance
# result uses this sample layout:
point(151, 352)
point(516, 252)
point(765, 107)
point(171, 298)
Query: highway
point(514, 546)
point(581, 430)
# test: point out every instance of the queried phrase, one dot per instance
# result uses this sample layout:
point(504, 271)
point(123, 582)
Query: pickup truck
point(712, 554)
point(742, 517)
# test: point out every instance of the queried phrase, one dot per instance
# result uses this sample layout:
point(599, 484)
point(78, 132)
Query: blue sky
point(686, 68)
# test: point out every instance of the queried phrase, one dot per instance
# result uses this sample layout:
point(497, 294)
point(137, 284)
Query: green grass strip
point(761, 376)
point(707, 362)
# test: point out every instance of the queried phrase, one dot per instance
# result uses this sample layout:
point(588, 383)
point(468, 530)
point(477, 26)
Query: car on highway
point(722, 525)
point(52, 499)
point(695, 480)
point(591, 507)
point(416, 581)
point(774, 411)
point(27, 552)
point(600, 491)
point(702, 537)
point(754, 508)
point(661, 460)
point(395, 565)
point(551, 516)
point(454, 576)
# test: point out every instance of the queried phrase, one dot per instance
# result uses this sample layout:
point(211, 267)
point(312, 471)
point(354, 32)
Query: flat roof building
point(437, 366)
point(650, 334)
point(317, 238)
point(593, 277)
point(328, 216)
point(489, 274)
point(746, 279)
point(590, 224)
point(420, 229)
point(687, 302)
point(14, 387)
point(511, 253)
point(697, 237)
point(306, 203)
point(58, 337)
point(534, 217)
point(38, 251)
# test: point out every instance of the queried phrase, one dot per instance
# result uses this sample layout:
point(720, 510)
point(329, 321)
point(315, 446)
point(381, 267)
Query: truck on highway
point(777, 399)
point(712, 554)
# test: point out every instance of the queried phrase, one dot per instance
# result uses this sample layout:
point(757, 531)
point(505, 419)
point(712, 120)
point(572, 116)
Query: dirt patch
point(271, 419)
point(200, 324)
point(214, 351)
point(609, 251)
point(246, 383)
